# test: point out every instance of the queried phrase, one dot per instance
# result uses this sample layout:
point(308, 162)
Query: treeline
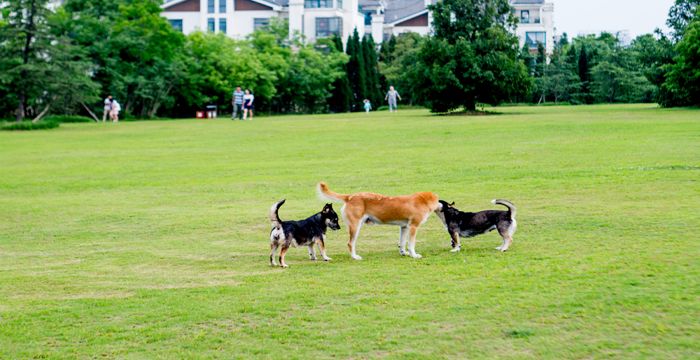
point(472, 58)
point(64, 61)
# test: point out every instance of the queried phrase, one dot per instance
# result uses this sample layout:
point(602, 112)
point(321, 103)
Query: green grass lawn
point(150, 239)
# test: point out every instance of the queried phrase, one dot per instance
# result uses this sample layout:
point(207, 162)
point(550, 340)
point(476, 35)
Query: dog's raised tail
point(325, 193)
point(274, 217)
point(508, 204)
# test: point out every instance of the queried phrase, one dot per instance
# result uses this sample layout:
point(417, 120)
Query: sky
point(593, 16)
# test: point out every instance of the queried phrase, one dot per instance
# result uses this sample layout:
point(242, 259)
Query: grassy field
point(150, 239)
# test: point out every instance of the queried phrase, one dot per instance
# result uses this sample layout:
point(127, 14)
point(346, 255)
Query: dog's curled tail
point(508, 204)
point(274, 217)
point(325, 193)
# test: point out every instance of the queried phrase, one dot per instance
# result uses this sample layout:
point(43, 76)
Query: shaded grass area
point(149, 239)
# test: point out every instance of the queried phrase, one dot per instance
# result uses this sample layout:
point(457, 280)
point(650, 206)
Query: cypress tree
point(371, 69)
point(356, 72)
point(341, 98)
point(583, 74)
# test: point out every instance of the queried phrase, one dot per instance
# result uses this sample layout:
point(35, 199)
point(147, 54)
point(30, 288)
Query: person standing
point(368, 105)
point(248, 106)
point(115, 111)
point(391, 96)
point(237, 102)
point(107, 108)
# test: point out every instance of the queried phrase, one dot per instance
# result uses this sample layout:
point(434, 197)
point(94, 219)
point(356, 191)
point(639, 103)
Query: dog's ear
point(327, 208)
point(452, 204)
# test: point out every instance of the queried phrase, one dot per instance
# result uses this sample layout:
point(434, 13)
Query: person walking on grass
point(107, 108)
point(391, 96)
point(237, 102)
point(248, 106)
point(367, 105)
point(114, 114)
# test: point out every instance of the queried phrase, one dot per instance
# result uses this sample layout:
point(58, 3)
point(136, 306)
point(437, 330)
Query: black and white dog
point(468, 224)
point(307, 232)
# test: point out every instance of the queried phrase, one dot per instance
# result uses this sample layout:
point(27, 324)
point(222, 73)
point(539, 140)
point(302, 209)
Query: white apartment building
point(536, 23)
point(321, 18)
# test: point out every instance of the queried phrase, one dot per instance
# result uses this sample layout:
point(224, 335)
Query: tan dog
point(407, 211)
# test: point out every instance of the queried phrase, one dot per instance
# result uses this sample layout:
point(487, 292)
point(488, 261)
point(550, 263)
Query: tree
point(371, 68)
point(399, 66)
point(356, 70)
point(680, 16)
point(40, 69)
point(684, 76)
point(341, 97)
point(472, 57)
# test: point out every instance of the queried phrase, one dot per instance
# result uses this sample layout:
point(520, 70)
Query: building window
point(525, 16)
point(534, 38)
point(222, 25)
point(260, 23)
point(210, 25)
point(314, 4)
point(368, 18)
point(339, 4)
point(222, 6)
point(176, 24)
point(328, 26)
point(210, 6)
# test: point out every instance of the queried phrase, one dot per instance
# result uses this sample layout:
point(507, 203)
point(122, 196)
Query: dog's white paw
point(273, 264)
point(457, 249)
point(356, 257)
point(403, 252)
point(327, 258)
point(499, 248)
point(503, 249)
point(312, 258)
point(284, 265)
point(416, 256)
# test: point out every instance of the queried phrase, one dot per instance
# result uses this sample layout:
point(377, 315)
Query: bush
point(28, 125)
point(68, 119)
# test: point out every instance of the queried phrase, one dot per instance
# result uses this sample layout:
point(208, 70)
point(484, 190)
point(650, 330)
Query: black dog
point(468, 224)
point(304, 232)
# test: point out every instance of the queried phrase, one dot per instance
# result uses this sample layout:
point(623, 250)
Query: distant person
point(248, 106)
point(391, 96)
point(237, 102)
point(368, 105)
point(107, 108)
point(114, 114)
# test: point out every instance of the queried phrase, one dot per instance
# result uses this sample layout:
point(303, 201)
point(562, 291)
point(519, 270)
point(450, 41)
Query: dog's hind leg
point(273, 251)
point(354, 229)
point(506, 233)
point(312, 252)
point(403, 234)
point(412, 242)
point(283, 252)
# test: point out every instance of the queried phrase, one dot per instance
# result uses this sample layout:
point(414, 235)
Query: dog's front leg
point(412, 242)
point(312, 252)
point(322, 249)
point(456, 246)
point(273, 250)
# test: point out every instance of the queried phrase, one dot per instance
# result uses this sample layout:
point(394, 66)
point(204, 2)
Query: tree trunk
point(29, 31)
point(94, 117)
point(470, 105)
point(42, 113)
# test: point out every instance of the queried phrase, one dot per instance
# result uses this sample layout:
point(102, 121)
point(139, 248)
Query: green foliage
point(680, 16)
point(341, 97)
point(684, 76)
point(472, 58)
point(356, 70)
point(398, 66)
point(369, 51)
point(28, 125)
point(68, 119)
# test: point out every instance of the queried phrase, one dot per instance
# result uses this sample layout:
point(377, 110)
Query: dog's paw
point(356, 257)
point(312, 258)
point(416, 256)
point(503, 249)
point(273, 264)
point(327, 258)
point(284, 266)
point(403, 252)
point(457, 249)
point(499, 248)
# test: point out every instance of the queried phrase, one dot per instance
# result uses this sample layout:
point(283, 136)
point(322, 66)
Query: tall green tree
point(399, 66)
point(684, 76)
point(40, 69)
point(341, 97)
point(472, 57)
point(369, 51)
point(680, 16)
point(356, 70)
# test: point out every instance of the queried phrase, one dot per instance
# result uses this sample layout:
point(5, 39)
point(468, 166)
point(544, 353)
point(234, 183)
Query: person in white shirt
point(115, 111)
point(107, 108)
point(248, 106)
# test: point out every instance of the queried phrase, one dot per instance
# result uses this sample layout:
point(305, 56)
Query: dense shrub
point(68, 119)
point(28, 125)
